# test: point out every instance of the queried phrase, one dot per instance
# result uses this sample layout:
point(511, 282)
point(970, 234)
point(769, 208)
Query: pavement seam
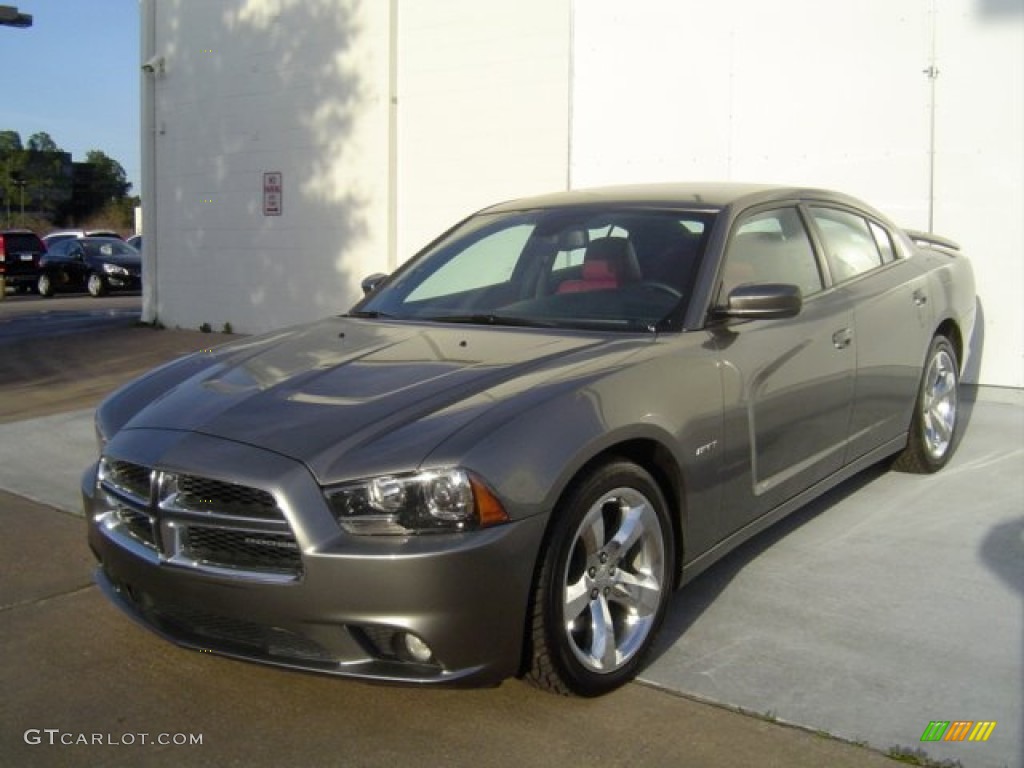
point(47, 598)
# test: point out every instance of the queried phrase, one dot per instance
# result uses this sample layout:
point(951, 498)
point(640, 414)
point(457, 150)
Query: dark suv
point(20, 250)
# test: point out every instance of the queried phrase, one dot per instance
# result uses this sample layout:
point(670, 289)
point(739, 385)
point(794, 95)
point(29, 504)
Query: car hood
point(121, 261)
point(319, 392)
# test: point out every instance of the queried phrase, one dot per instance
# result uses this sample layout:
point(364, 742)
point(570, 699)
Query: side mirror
point(763, 301)
point(369, 284)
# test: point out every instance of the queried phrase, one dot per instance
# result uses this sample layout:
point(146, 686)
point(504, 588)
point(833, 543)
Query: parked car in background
point(67, 234)
point(93, 264)
point(135, 241)
point(20, 250)
point(506, 457)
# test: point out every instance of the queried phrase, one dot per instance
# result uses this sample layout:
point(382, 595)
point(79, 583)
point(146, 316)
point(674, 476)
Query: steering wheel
point(674, 292)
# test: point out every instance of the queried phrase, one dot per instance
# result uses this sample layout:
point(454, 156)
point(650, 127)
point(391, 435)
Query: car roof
point(707, 195)
point(68, 233)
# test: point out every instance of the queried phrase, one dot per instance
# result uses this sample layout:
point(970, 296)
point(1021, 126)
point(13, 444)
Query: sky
point(74, 74)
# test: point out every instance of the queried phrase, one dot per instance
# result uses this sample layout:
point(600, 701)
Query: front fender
point(531, 457)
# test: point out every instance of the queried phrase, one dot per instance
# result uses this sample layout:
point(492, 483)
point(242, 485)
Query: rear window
point(21, 242)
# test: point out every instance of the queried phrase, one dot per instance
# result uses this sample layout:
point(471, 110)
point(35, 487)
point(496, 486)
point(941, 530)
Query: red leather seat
point(608, 263)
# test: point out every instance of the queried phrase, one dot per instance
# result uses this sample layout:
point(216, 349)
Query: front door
point(788, 383)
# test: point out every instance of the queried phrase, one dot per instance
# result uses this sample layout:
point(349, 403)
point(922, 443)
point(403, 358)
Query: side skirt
point(692, 569)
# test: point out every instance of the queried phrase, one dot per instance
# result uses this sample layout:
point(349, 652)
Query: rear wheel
point(44, 285)
point(604, 584)
point(933, 427)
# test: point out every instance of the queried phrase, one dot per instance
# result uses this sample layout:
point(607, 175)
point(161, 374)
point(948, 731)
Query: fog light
point(415, 648)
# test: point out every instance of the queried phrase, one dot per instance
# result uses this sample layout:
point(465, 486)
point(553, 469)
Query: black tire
point(96, 285)
point(604, 584)
point(933, 428)
point(44, 285)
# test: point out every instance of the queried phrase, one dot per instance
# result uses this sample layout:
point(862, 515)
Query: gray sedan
point(505, 458)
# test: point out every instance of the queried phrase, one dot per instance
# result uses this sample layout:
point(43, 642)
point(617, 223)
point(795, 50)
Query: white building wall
point(831, 95)
point(298, 87)
point(304, 87)
point(390, 120)
point(483, 108)
point(979, 161)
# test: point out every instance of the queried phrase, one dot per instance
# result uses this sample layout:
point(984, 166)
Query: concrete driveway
point(893, 602)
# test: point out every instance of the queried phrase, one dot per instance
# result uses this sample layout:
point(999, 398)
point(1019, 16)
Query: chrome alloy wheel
point(939, 404)
point(614, 579)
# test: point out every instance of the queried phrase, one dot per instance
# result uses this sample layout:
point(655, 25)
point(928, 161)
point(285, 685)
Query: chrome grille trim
point(132, 482)
point(217, 527)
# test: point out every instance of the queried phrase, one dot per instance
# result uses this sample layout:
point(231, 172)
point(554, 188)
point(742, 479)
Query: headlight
point(113, 269)
point(436, 501)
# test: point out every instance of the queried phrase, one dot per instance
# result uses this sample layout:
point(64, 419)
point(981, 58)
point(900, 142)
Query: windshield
point(616, 269)
point(109, 249)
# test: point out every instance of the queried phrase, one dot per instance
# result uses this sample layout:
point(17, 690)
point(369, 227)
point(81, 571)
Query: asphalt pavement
point(830, 640)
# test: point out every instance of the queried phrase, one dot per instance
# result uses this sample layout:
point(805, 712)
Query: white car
point(67, 234)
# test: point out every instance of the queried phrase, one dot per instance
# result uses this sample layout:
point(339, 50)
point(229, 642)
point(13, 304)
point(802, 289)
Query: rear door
point(892, 321)
point(788, 383)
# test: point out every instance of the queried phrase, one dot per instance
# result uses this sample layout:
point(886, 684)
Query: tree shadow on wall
point(252, 87)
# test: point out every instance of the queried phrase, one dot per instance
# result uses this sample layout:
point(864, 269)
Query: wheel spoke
point(602, 632)
point(940, 428)
point(592, 533)
point(638, 592)
point(632, 527)
point(577, 597)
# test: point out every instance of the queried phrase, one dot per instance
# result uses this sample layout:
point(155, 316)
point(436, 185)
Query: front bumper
point(333, 603)
point(129, 282)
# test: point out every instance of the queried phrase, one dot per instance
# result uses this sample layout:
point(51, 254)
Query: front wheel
point(933, 426)
point(96, 285)
point(604, 584)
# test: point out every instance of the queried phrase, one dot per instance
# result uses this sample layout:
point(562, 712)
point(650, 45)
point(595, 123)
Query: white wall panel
point(295, 86)
point(980, 166)
point(483, 106)
point(823, 94)
point(494, 101)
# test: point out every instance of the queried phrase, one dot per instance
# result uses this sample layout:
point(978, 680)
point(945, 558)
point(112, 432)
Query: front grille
point(138, 524)
point(129, 478)
point(243, 549)
point(200, 522)
point(202, 494)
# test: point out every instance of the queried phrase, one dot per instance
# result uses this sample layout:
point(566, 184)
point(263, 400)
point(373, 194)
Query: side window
point(884, 242)
point(850, 244)
point(771, 247)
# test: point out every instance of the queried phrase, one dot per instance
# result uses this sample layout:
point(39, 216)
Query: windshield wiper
point(368, 313)
point(491, 319)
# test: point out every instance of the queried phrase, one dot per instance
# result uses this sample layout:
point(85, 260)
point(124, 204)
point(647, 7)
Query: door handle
point(842, 338)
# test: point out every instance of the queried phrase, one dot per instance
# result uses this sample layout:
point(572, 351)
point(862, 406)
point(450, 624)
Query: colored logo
point(958, 730)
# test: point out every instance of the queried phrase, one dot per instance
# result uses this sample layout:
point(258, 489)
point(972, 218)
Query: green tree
point(52, 187)
point(12, 170)
point(10, 141)
point(109, 177)
point(41, 142)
